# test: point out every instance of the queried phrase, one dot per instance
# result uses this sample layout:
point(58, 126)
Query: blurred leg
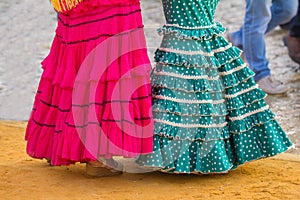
point(257, 18)
point(282, 11)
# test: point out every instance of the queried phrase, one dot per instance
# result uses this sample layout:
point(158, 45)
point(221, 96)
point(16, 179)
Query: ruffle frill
point(193, 34)
point(178, 155)
point(229, 125)
point(67, 128)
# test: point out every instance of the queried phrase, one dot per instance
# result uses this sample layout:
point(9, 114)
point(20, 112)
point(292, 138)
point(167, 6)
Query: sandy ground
point(24, 178)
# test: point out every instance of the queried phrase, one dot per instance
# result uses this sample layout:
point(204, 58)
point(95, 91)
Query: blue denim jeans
point(261, 17)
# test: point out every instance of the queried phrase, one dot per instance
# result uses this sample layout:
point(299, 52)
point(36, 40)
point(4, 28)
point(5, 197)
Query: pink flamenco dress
point(94, 96)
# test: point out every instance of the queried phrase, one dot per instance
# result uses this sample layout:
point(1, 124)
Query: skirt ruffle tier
point(210, 116)
point(77, 114)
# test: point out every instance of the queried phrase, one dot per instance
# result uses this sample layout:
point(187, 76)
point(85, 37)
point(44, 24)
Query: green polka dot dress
point(210, 116)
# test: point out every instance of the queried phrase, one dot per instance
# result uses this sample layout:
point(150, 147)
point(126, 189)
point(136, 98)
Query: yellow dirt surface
point(22, 177)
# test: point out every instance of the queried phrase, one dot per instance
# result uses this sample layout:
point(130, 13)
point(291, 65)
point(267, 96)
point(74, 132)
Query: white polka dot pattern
point(210, 115)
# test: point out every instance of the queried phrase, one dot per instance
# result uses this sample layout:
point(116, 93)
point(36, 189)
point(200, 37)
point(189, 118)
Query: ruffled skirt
point(210, 116)
point(94, 96)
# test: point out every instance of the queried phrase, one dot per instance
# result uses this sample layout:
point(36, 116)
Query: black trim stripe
point(40, 124)
point(105, 120)
point(97, 37)
point(89, 39)
point(144, 97)
point(97, 20)
point(54, 106)
point(109, 120)
point(98, 12)
point(59, 36)
point(101, 104)
point(87, 15)
point(89, 123)
point(94, 103)
point(114, 101)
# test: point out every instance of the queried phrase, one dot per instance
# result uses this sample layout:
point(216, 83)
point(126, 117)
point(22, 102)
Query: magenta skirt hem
point(66, 128)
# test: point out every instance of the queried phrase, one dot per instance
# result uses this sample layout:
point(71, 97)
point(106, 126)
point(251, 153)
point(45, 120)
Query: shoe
point(293, 45)
point(106, 168)
point(271, 86)
point(49, 161)
point(287, 26)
